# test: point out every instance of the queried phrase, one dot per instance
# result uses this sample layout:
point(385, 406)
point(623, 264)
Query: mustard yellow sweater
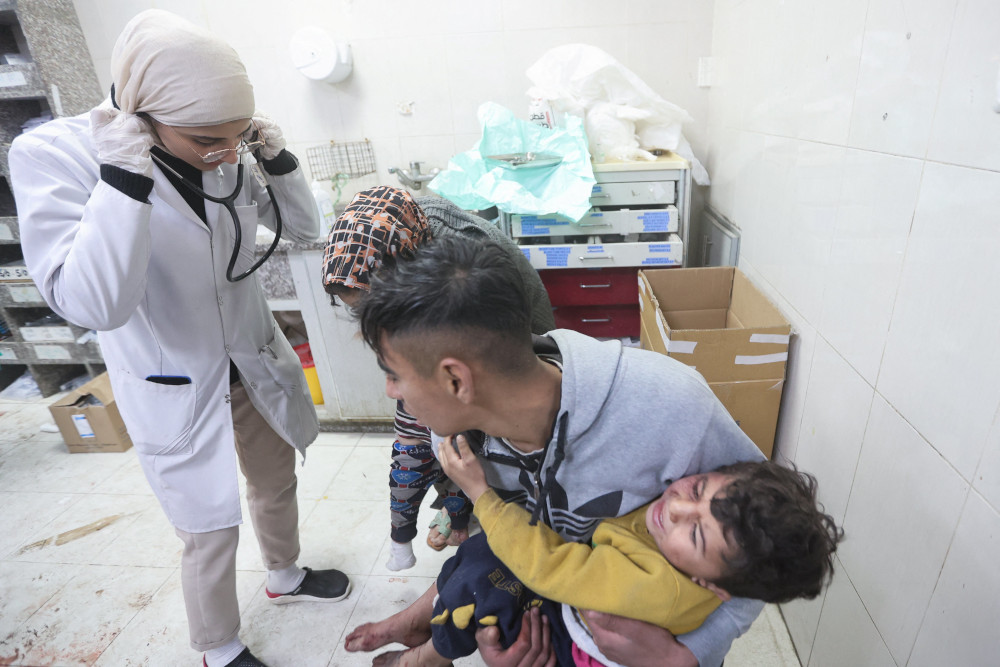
point(622, 573)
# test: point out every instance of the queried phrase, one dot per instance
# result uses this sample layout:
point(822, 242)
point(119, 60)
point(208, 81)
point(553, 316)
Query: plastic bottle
point(324, 204)
point(302, 348)
point(540, 112)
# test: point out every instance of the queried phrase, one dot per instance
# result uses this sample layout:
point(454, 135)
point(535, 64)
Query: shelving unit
point(56, 76)
point(639, 218)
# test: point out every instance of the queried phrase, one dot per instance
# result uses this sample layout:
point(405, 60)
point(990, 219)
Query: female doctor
point(120, 237)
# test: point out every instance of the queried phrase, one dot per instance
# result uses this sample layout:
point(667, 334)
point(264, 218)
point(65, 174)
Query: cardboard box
point(87, 426)
point(716, 320)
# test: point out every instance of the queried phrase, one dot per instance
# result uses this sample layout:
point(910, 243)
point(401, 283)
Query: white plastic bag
point(624, 118)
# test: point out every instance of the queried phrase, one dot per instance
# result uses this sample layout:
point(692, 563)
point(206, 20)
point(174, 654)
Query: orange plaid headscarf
point(379, 222)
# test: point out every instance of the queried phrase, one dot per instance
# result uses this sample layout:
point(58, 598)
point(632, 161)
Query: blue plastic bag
point(474, 181)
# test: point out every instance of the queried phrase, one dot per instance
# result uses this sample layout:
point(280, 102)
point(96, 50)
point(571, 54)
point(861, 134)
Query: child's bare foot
point(395, 629)
point(421, 656)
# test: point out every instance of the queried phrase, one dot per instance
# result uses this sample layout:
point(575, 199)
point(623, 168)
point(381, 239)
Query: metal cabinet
point(639, 217)
point(48, 70)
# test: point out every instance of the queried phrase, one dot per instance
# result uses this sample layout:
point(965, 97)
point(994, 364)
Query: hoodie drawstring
point(550, 473)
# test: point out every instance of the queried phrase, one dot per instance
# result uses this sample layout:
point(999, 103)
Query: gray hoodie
point(630, 421)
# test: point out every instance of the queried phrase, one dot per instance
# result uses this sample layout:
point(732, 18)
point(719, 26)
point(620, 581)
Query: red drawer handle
point(585, 320)
point(594, 286)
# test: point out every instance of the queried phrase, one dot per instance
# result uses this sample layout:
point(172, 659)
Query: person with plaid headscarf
point(384, 223)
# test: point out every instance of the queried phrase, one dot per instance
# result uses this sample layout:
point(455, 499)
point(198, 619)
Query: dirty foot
point(421, 656)
point(437, 541)
point(395, 629)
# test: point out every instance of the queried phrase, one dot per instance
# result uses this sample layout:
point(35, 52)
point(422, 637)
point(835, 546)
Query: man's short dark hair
point(454, 295)
point(785, 542)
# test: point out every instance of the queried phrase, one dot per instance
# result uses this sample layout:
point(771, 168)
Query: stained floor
point(89, 566)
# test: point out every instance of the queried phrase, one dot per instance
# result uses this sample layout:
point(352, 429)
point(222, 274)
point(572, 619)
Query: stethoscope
point(229, 203)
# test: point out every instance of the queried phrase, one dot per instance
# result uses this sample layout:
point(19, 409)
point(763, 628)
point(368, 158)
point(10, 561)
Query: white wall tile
point(905, 44)
point(760, 201)
point(475, 64)
point(847, 635)
point(960, 625)
point(830, 49)
point(894, 553)
point(941, 367)
point(802, 217)
point(802, 620)
point(661, 11)
point(723, 170)
point(730, 46)
point(987, 479)
point(877, 201)
point(834, 418)
point(89, 16)
point(772, 68)
point(965, 128)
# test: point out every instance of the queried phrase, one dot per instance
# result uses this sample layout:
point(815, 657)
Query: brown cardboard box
point(88, 427)
point(714, 319)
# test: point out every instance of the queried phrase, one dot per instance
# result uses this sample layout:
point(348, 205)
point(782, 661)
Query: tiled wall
point(856, 145)
point(445, 56)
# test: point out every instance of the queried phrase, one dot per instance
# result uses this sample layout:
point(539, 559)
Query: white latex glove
point(122, 139)
point(274, 140)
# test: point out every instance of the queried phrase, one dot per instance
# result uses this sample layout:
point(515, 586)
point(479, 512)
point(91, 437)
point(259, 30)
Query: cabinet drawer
point(589, 256)
point(623, 221)
point(634, 193)
point(591, 287)
point(602, 321)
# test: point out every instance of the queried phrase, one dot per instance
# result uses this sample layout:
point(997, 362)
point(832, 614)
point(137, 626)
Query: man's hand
point(637, 644)
point(462, 467)
point(531, 649)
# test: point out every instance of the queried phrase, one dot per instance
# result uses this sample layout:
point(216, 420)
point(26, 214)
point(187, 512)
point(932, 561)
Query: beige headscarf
point(178, 73)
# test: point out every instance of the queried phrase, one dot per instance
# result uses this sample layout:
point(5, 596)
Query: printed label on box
point(24, 293)
point(14, 273)
point(9, 79)
point(47, 334)
point(7, 353)
point(51, 352)
point(83, 426)
point(5, 233)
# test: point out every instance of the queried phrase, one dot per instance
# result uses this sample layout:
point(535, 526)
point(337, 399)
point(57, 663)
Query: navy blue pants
point(475, 576)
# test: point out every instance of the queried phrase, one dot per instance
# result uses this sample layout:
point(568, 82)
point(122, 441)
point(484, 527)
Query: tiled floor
point(89, 566)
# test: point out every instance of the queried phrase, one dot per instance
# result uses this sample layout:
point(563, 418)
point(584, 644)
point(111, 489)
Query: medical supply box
point(717, 321)
point(89, 420)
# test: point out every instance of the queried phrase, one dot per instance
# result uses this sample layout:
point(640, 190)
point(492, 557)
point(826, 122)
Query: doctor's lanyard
point(229, 203)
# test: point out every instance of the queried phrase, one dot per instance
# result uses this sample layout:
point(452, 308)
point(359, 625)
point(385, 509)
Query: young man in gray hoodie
point(572, 428)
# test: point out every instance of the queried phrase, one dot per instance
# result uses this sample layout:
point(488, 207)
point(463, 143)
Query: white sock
point(222, 656)
point(400, 556)
point(286, 580)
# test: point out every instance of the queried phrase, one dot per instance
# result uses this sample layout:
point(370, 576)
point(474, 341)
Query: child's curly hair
point(785, 543)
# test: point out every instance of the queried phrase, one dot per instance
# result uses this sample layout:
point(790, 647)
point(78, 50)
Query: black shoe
point(244, 659)
point(317, 586)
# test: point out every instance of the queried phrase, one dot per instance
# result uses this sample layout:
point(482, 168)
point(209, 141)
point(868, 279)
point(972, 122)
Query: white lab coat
point(151, 279)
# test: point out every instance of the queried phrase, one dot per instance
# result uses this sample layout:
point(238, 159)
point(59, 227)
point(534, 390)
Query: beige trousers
point(208, 564)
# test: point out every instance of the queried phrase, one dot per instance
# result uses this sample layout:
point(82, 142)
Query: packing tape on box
point(781, 339)
point(752, 359)
point(681, 346)
point(642, 289)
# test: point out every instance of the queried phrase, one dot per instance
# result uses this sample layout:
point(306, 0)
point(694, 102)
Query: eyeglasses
point(242, 149)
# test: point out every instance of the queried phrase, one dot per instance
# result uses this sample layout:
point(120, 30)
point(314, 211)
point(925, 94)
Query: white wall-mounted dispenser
point(318, 56)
